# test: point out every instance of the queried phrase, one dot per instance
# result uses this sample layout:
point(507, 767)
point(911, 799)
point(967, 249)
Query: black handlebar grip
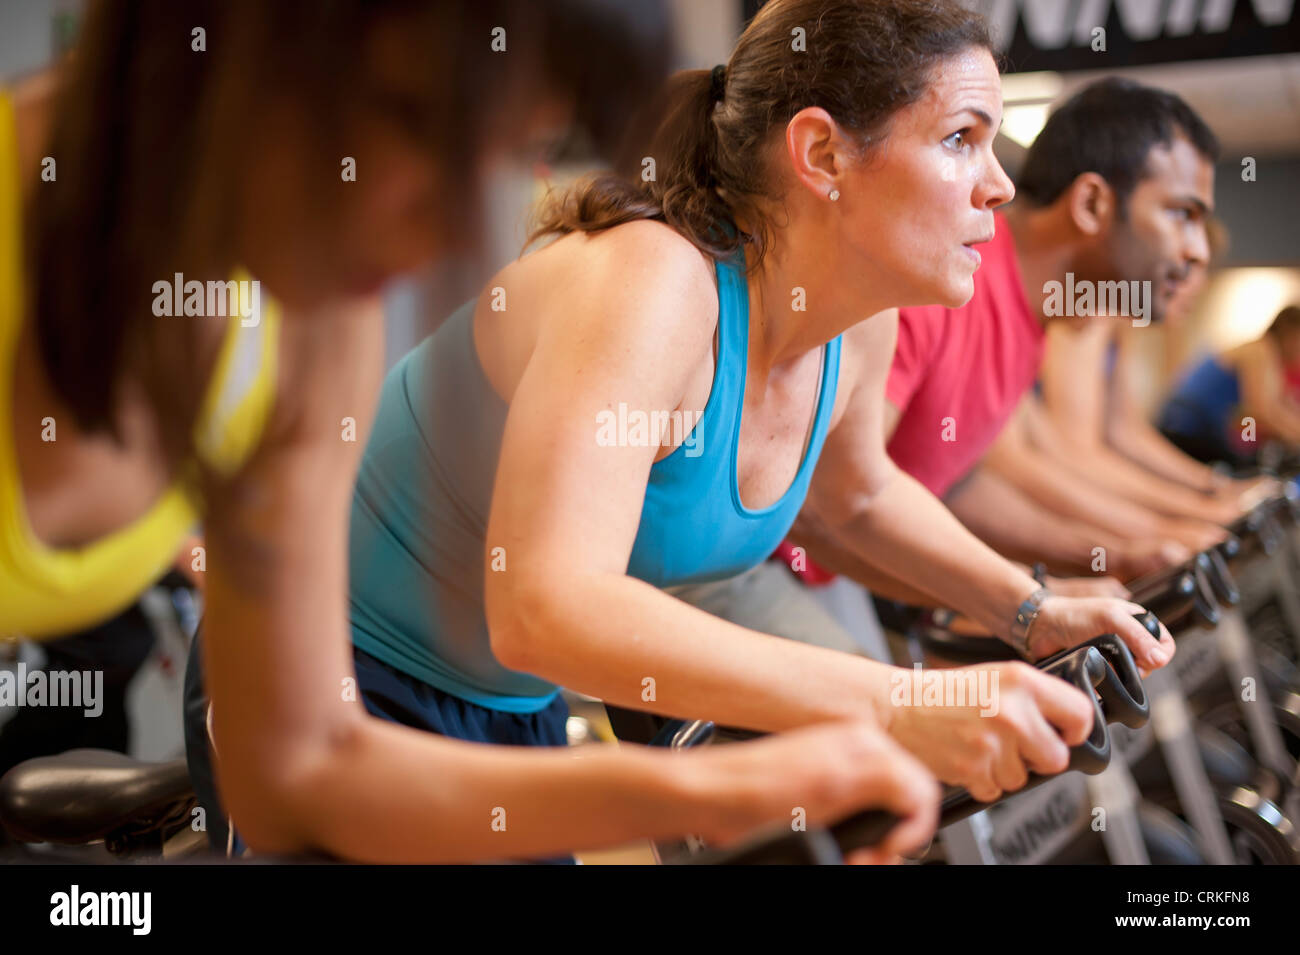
point(1230, 548)
point(1163, 585)
point(1216, 572)
point(1206, 608)
point(814, 847)
point(863, 830)
point(1150, 622)
point(1123, 697)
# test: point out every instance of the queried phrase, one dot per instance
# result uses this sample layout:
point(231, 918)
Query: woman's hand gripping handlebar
point(1102, 668)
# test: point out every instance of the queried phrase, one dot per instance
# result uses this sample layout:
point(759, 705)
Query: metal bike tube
point(1116, 791)
point(1283, 565)
point(1173, 728)
point(1239, 660)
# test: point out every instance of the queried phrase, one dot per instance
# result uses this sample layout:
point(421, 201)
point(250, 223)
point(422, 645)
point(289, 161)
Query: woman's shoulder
point(643, 255)
point(638, 288)
point(644, 273)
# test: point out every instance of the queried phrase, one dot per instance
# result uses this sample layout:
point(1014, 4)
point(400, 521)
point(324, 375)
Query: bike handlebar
point(1102, 667)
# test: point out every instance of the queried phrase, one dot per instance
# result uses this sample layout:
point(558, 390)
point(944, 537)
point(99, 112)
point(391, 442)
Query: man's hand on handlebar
point(1065, 622)
point(1136, 559)
point(1197, 535)
point(1247, 494)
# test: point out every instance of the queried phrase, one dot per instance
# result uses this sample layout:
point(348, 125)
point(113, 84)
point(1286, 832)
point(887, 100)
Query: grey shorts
point(770, 599)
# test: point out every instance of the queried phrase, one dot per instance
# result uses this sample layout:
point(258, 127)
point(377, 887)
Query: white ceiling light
point(1027, 99)
point(1023, 123)
point(1031, 87)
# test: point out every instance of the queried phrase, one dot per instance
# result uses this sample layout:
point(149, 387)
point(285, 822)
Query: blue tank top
point(424, 490)
point(1203, 402)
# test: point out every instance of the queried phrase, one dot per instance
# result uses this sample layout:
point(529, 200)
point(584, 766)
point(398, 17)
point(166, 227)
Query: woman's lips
point(975, 256)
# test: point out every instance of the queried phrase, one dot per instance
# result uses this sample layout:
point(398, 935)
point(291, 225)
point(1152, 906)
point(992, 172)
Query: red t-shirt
point(958, 374)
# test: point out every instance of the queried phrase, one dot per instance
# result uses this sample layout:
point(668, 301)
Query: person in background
point(1226, 406)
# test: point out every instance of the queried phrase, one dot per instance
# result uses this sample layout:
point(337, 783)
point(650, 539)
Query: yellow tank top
point(46, 592)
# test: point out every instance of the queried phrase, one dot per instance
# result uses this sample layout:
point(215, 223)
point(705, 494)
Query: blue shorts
point(388, 694)
point(393, 695)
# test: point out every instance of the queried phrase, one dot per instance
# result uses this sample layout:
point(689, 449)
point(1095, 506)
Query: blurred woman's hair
point(150, 136)
point(860, 60)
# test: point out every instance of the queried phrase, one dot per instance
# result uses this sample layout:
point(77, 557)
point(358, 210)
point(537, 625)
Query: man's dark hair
point(1108, 127)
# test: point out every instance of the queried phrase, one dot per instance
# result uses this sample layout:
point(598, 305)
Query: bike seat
point(85, 795)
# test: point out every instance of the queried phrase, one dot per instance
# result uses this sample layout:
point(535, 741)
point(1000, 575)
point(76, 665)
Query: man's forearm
point(1142, 444)
point(1102, 466)
point(906, 531)
point(1060, 491)
point(823, 547)
point(1013, 524)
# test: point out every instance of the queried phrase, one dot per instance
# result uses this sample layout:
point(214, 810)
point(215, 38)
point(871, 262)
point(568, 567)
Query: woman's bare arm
point(566, 511)
point(301, 765)
point(1262, 394)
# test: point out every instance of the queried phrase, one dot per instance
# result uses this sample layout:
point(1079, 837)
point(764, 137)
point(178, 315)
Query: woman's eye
point(957, 140)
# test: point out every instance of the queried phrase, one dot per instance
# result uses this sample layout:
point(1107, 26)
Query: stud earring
point(834, 196)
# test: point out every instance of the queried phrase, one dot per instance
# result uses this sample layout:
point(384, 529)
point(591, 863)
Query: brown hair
point(860, 60)
point(1286, 322)
point(148, 131)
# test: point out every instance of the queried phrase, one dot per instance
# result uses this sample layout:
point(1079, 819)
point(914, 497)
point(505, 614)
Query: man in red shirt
point(958, 373)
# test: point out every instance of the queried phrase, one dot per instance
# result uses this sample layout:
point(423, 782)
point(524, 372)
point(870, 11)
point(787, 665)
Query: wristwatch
point(1026, 614)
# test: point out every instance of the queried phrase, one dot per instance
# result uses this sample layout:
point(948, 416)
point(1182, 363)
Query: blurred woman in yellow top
point(324, 148)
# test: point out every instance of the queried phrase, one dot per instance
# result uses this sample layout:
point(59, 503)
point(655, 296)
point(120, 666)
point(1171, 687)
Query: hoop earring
point(834, 195)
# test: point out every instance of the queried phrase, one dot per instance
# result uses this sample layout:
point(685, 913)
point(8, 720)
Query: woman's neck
point(800, 297)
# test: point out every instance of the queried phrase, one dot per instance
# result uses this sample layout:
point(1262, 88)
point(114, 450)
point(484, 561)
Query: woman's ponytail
point(672, 178)
point(704, 168)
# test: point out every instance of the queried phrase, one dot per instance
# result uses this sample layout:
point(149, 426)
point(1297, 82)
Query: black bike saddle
point(88, 794)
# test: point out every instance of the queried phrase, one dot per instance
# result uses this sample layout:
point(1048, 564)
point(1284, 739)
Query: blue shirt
point(1203, 402)
point(422, 497)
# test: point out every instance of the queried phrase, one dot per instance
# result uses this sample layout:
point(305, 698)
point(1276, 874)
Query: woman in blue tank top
point(1227, 404)
point(652, 398)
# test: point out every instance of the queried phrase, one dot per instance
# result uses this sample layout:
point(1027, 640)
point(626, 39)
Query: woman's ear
point(816, 150)
point(1091, 204)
